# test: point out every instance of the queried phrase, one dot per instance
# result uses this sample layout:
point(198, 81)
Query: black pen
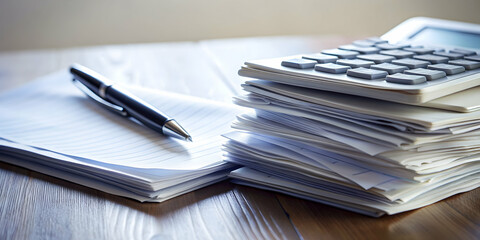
point(103, 91)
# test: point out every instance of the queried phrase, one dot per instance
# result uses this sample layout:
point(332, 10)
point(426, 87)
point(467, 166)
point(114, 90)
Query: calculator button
point(473, 58)
point(387, 46)
point(419, 50)
point(406, 79)
point(463, 51)
point(431, 58)
point(321, 58)
point(331, 68)
point(363, 43)
point(355, 63)
point(341, 53)
point(376, 58)
point(450, 55)
point(376, 40)
point(397, 53)
point(390, 68)
point(299, 63)
point(366, 73)
point(363, 50)
point(467, 64)
point(447, 68)
point(429, 74)
point(411, 63)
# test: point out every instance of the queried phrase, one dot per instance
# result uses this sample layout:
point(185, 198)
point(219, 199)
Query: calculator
point(417, 61)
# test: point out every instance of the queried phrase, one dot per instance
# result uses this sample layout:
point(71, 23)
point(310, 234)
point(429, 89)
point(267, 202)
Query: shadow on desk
point(33, 202)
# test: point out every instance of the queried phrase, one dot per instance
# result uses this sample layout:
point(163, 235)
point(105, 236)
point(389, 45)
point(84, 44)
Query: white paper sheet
point(56, 128)
point(54, 115)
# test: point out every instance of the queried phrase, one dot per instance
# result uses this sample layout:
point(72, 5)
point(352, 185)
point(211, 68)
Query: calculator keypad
point(449, 69)
point(428, 73)
point(366, 73)
point(406, 79)
point(355, 63)
point(388, 46)
point(299, 63)
point(398, 53)
point(411, 63)
point(390, 68)
point(420, 50)
point(321, 58)
point(341, 53)
point(449, 55)
point(467, 64)
point(362, 50)
point(431, 58)
point(376, 59)
point(473, 58)
point(463, 51)
point(364, 43)
point(331, 68)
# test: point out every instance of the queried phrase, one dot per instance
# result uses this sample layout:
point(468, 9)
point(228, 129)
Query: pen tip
point(173, 129)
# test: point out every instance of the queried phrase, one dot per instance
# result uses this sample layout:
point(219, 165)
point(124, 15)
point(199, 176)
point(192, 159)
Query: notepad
point(52, 121)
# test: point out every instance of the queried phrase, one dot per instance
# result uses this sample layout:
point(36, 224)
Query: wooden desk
point(36, 206)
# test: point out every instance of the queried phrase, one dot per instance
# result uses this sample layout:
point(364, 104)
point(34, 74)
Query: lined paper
point(54, 115)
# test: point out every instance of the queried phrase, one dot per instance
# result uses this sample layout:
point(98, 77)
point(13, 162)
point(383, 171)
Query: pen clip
point(98, 99)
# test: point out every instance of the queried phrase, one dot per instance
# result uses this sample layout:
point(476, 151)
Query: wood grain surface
point(37, 206)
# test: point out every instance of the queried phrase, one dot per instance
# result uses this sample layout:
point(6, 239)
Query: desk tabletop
point(37, 206)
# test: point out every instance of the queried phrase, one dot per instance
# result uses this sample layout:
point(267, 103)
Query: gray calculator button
point(411, 63)
point(387, 46)
point(431, 58)
point(341, 53)
point(450, 55)
point(321, 58)
point(397, 53)
point(429, 74)
point(355, 63)
point(447, 68)
point(299, 63)
point(363, 50)
point(420, 50)
point(390, 68)
point(331, 68)
point(467, 64)
point(366, 73)
point(376, 40)
point(406, 79)
point(473, 58)
point(363, 43)
point(376, 58)
point(463, 51)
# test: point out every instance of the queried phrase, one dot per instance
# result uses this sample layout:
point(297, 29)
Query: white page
point(261, 96)
point(91, 181)
point(427, 117)
point(361, 176)
point(52, 114)
point(361, 142)
point(380, 132)
point(300, 190)
point(339, 123)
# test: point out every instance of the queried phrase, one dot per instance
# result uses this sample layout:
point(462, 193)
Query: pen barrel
point(91, 79)
point(137, 108)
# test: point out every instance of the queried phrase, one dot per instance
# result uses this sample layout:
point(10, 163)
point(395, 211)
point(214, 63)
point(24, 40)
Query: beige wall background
point(34, 24)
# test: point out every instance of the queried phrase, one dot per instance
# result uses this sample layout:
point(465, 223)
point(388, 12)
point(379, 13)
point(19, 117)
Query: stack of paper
point(51, 127)
point(365, 155)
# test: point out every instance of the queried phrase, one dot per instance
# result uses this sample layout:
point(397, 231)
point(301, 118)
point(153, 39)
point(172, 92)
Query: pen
point(113, 97)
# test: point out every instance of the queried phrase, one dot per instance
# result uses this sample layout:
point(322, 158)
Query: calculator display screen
point(447, 37)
